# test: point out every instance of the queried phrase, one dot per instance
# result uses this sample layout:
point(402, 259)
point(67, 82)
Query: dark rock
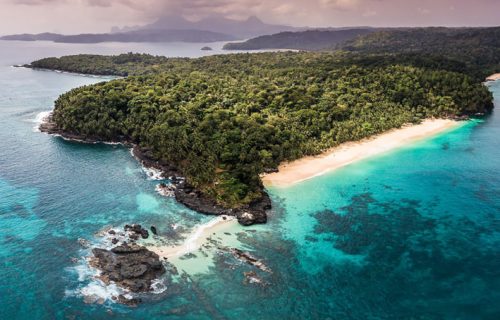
point(129, 302)
point(247, 215)
point(137, 229)
point(114, 241)
point(112, 232)
point(84, 243)
point(250, 259)
point(251, 277)
point(134, 236)
point(154, 231)
point(130, 266)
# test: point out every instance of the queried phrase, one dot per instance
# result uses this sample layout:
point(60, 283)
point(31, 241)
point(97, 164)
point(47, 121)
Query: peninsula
point(215, 124)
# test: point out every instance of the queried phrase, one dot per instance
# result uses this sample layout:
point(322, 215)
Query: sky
point(76, 16)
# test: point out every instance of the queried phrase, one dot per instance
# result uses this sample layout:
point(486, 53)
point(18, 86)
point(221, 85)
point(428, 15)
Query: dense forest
point(224, 120)
point(477, 49)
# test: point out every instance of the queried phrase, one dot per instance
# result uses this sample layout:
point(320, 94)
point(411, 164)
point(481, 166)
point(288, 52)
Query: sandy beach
point(196, 238)
point(347, 153)
point(493, 77)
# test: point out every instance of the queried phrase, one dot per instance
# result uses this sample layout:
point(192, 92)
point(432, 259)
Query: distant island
point(206, 49)
point(168, 29)
point(216, 124)
point(131, 36)
point(305, 40)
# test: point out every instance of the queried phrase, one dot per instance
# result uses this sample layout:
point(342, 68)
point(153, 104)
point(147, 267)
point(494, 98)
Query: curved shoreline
point(184, 193)
point(309, 167)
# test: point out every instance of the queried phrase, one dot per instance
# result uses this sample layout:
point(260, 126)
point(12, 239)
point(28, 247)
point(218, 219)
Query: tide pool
point(411, 234)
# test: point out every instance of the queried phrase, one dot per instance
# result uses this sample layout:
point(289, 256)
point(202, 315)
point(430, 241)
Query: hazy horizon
point(98, 16)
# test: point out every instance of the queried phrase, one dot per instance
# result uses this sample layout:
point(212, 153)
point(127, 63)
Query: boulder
point(154, 230)
point(130, 266)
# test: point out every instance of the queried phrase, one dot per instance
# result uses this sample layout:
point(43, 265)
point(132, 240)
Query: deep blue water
point(413, 234)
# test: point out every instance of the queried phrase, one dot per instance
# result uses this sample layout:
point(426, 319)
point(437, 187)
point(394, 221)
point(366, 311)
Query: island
point(193, 36)
point(206, 49)
point(304, 40)
point(215, 125)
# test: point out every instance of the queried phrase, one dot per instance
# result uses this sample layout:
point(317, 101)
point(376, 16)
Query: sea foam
point(40, 118)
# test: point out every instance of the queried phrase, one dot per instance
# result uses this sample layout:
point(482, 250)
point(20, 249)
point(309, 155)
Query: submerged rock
point(84, 243)
point(131, 302)
point(154, 230)
point(130, 266)
point(250, 259)
point(138, 230)
point(251, 277)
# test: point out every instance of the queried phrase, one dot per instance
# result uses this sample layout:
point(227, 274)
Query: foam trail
point(153, 173)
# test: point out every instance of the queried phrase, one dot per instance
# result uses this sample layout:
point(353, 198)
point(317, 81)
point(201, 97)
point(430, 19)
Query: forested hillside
point(305, 40)
point(223, 120)
point(478, 49)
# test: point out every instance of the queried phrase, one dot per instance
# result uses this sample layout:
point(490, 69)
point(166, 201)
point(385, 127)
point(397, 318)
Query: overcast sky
point(72, 16)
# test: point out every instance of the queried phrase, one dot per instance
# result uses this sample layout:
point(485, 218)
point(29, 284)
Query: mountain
point(169, 29)
point(241, 29)
point(305, 40)
point(131, 36)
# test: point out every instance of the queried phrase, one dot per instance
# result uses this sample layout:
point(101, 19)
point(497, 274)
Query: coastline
point(350, 152)
point(494, 77)
point(184, 193)
point(88, 75)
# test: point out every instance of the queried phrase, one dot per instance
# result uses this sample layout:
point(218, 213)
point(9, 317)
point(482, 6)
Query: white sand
point(196, 238)
point(493, 77)
point(345, 154)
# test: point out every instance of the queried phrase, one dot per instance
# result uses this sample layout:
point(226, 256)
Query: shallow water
point(410, 234)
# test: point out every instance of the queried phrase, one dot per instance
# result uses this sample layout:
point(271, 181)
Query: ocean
point(410, 234)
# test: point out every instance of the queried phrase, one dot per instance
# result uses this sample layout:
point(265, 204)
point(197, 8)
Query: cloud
point(100, 15)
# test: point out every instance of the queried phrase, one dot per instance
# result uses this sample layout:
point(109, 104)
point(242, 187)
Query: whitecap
point(165, 190)
point(158, 286)
point(153, 173)
point(40, 118)
point(98, 292)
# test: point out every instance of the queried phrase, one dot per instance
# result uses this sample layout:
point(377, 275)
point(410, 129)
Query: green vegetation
point(477, 49)
point(223, 120)
point(305, 40)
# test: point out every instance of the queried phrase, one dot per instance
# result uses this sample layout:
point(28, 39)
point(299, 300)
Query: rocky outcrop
point(247, 215)
point(130, 266)
point(137, 229)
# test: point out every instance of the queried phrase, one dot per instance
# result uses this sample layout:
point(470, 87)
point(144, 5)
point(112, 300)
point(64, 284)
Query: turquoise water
point(412, 234)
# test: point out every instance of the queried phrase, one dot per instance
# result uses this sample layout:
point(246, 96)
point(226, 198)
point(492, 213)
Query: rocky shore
point(254, 213)
point(128, 265)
